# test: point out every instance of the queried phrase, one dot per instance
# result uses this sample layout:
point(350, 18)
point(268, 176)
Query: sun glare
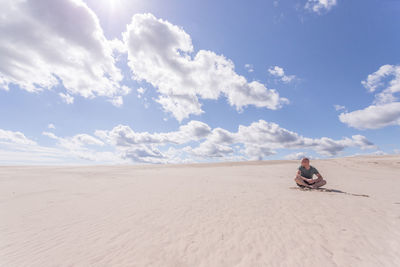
point(113, 7)
point(112, 4)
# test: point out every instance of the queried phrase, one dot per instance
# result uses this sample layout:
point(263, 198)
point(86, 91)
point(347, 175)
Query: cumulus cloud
point(278, 72)
point(51, 126)
point(123, 135)
point(271, 135)
point(376, 79)
point(257, 152)
point(388, 77)
point(255, 141)
point(50, 42)
point(144, 154)
point(385, 110)
point(145, 146)
point(193, 141)
point(373, 117)
point(211, 149)
point(319, 6)
point(60, 42)
point(161, 54)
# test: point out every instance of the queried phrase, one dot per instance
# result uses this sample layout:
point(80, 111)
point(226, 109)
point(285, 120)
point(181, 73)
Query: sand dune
point(225, 214)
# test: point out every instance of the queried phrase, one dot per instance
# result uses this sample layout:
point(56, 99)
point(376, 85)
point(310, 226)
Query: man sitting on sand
point(304, 176)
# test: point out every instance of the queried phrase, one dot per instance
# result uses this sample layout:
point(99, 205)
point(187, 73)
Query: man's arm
point(298, 175)
point(318, 179)
point(313, 181)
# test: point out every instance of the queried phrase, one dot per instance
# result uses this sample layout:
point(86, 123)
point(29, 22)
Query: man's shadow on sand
point(328, 190)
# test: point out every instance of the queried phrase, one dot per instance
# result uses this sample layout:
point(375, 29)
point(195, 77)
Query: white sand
point(231, 214)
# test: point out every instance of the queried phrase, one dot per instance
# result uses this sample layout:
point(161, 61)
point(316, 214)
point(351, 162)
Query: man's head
point(305, 162)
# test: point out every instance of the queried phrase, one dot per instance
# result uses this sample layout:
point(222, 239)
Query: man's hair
point(305, 159)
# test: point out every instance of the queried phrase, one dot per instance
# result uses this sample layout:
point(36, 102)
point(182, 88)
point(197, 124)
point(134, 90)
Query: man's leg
point(301, 183)
point(318, 184)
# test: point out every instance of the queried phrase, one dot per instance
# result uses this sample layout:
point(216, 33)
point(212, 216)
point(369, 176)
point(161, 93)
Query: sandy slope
point(231, 214)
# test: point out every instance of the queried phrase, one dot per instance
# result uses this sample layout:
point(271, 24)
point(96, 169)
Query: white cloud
point(15, 148)
point(377, 80)
point(50, 135)
point(210, 149)
point(144, 154)
point(265, 134)
point(45, 43)
point(256, 141)
point(373, 117)
point(319, 6)
point(257, 152)
point(51, 126)
point(140, 92)
point(162, 54)
point(77, 142)
point(339, 107)
point(297, 156)
point(85, 139)
point(124, 136)
point(194, 141)
point(276, 71)
point(249, 67)
point(117, 101)
point(66, 98)
point(40, 51)
point(86, 147)
point(385, 110)
point(280, 73)
point(145, 147)
point(259, 140)
point(379, 153)
point(374, 153)
point(15, 137)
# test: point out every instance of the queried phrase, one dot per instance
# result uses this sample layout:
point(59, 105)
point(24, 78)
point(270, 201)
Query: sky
point(133, 82)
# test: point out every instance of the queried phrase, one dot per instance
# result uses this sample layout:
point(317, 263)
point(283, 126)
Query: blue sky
point(219, 80)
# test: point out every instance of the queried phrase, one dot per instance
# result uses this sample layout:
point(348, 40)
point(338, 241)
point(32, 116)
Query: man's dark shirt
point(308, 173)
